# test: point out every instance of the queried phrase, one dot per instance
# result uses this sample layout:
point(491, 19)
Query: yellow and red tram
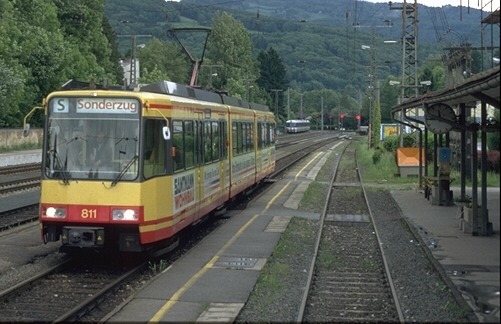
point(125, 170)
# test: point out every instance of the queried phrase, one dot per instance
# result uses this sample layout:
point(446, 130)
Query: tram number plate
point(88, 213)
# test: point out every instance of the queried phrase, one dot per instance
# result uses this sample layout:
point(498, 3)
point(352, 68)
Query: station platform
point(471, 262)
point(20, 157)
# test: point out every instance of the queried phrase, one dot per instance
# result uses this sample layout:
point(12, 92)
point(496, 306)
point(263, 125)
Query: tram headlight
point(125, 215)
point(55, 212)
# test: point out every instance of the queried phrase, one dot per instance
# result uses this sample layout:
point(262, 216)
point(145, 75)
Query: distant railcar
point(297, 126)
point(124, 170)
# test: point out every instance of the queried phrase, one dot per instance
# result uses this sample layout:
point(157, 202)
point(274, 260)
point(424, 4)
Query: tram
point(127, 170)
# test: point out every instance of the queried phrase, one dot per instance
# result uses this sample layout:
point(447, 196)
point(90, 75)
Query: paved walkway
point(471, 262)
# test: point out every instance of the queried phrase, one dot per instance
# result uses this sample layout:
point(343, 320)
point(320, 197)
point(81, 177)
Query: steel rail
point(383, 254)
point(20, 168)
point(83, 308)
point(323, 216)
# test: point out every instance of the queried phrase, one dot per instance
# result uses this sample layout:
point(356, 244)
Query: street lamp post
point(288, 103)
point(276, 101)
point(301, 106)
point(210, 79)
point(211, 74)
point(248, 91)
point(248, 86)
point(373, 78)
point(374, 87)
point(132, 71)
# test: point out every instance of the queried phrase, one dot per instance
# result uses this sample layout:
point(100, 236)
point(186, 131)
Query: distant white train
point(297, 125)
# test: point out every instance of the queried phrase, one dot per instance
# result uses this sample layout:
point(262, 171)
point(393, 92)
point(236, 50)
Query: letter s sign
point(60, 105)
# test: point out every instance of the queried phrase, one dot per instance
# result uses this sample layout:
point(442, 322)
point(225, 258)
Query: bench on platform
point(438, 188)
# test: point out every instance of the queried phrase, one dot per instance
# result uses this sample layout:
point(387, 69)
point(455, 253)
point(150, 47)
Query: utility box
point(408, 161)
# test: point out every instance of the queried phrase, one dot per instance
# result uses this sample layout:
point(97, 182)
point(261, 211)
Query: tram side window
point(241, 138)
point(250, 137)
point(223, 134)
point(178, 144)
point(234, 138)
point(154, 148)
point(189, 144)
point(237, 138)
point(244, 137)
point(270, 131)
point(207, 139)
point(260, 137)
point(215, 141)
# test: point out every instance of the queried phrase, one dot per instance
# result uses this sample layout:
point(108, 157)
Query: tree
point(11, 89)
point(12, 74)
point(388, 98)
point(230, 47)
point(82, 26)
point(33, 48)
point(272, 77)
point(115, 56)
point(162, 61)
point(43, 45)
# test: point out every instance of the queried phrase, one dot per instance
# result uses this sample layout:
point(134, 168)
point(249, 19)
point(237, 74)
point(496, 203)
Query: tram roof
point(171, 88)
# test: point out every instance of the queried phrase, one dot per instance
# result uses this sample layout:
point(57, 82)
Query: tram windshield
point(92, 138)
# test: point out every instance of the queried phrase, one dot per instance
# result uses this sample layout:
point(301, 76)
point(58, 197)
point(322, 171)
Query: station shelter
point(460, 113)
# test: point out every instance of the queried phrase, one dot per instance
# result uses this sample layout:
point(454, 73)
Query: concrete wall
point(12, 137)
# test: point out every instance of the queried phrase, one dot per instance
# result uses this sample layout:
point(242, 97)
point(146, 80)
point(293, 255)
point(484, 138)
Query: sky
point(486, 4)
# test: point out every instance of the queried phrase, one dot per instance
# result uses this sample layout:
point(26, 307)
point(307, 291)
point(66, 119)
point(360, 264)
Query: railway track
point(66, 292)
point(17, 178)
point(9, 187)
point(20, 168)
point(349, 279)
point(19, 216)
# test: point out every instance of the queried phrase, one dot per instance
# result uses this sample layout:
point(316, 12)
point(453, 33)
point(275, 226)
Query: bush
point(391, 143)
point(376, 156)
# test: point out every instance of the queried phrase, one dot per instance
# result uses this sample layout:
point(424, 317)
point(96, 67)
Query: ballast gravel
point(424, 295)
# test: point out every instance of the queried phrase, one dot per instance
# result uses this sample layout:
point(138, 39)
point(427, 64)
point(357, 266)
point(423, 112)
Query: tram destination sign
point(95, 105)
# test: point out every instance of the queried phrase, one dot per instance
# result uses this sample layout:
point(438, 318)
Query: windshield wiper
point(60, 164)
point(76, 138)
point(125, 139)
point(121, 174)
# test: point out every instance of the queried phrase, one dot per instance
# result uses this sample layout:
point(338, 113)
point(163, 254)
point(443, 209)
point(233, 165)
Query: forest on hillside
point(317, 42)
point(312, 53)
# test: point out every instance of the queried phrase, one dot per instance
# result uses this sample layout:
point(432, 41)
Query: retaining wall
point(12, 137)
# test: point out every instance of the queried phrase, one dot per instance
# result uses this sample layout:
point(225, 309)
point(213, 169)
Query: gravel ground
point(40, 263)
point(423, 294)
